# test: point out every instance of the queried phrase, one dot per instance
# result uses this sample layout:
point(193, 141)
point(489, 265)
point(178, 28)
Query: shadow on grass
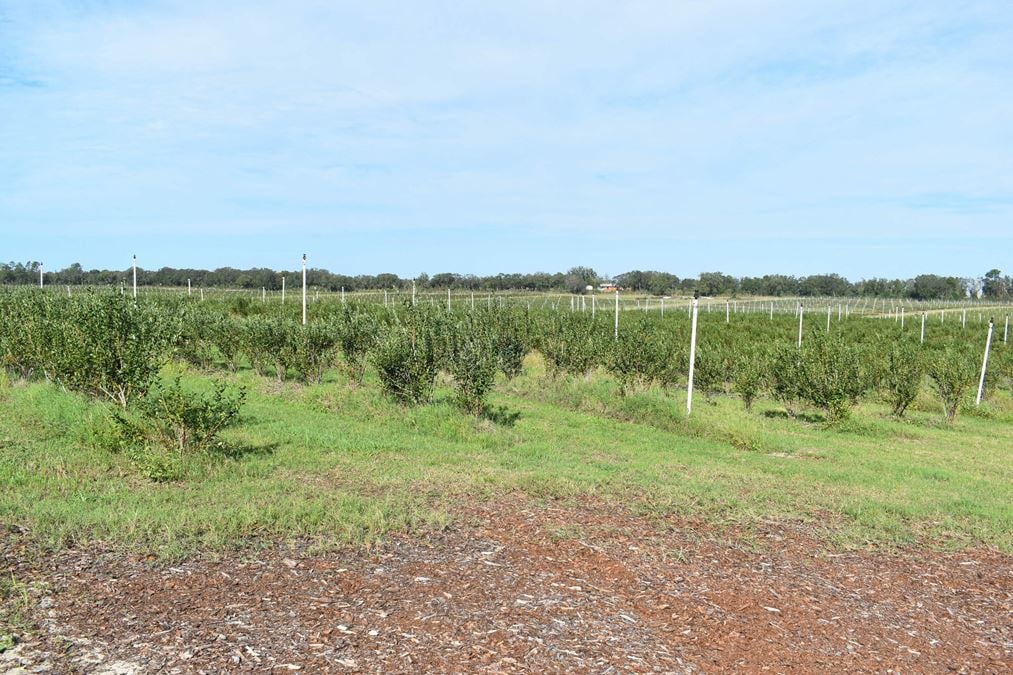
point(241, 450)
point(811, 418)
point(499, 414)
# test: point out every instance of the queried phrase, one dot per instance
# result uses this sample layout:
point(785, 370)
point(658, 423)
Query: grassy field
point(338, 463)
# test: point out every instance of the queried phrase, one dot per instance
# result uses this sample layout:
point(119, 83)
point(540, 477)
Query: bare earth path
point(519, 586)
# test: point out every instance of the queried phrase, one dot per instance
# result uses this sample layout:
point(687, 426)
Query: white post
point(304, 289)
point(839, 310)
point(963, 320)
point(692, 358)
point(616, 331)
point(828, 318)
point(263, 293)
point(662, 307)
point(727, 312)
point(448, 298)
point(283, 290)
point(923, 328)
point(800, 312)
point(343, 295)
point(984, 362)
point(202, 294)
point(473, 301)
point(772, 311)
point(135, 276)
point(902, 318)
point(189, 288)
point(1005, 332)
point(40, 275)
point(413, 292)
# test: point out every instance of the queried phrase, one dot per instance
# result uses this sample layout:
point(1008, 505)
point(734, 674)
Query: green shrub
point(407, 363)
point(270, 342)
point(182, 422)
point(357, 334)
point(108, 346)
point(511, 342)
point(572, 345)
point(952, 372)
point(472, 362)
point(314, 344)
point(901, 377)
point(747, 380)
point(833, 379)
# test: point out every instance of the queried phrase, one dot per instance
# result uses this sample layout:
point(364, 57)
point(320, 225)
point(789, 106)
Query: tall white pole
point(448, 298)
point(283, 290)
point(692, 356)
point(616, 331)
point(304, 289)
point(728, 314)
point(413, 292)
point(189, 288)
point(923, 328)
point(40, 275)
point(800, 312)
point(263, 293)
point(1005, 332)
point(828, 318)
point(135, 276)
point(771, 311)
point(902, 318)
point(984, 362)
point(343, 295)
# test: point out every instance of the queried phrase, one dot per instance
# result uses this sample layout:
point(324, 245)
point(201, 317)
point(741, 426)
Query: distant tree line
point(992, 285)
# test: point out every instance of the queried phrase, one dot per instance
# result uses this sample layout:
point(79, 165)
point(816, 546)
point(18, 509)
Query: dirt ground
point(519, 586)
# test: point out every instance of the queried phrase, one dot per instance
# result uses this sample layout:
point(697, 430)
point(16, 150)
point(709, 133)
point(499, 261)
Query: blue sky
point(865, 138)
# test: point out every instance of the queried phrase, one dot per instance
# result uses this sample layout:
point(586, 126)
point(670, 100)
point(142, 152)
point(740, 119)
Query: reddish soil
point(526, 587)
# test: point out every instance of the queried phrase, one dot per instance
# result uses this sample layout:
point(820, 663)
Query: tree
point(994, 285)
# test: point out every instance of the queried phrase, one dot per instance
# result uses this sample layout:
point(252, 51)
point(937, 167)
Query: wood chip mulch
point(519, 586)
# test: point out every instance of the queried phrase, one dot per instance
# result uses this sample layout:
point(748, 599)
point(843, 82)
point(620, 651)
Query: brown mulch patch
point(520, 586)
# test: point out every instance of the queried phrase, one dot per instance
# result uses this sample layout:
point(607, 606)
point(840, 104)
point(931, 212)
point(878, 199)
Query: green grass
point(338, 464)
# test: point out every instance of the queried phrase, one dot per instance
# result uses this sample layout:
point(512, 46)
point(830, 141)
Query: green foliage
point(833, 377)
point(826, 372)
point(472, 361)
point(270, 342)
point(172, 422)
point(572, 344)
point(748, 377)
point(901, 376)
point(314, 345)
point(406, 361)
point(227, 337)
point(99, 343)
point(952, 372)
point(357, 334)
point(786, 374)
point(511, 341)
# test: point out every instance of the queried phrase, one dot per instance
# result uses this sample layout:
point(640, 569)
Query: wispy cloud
point(659, 120)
